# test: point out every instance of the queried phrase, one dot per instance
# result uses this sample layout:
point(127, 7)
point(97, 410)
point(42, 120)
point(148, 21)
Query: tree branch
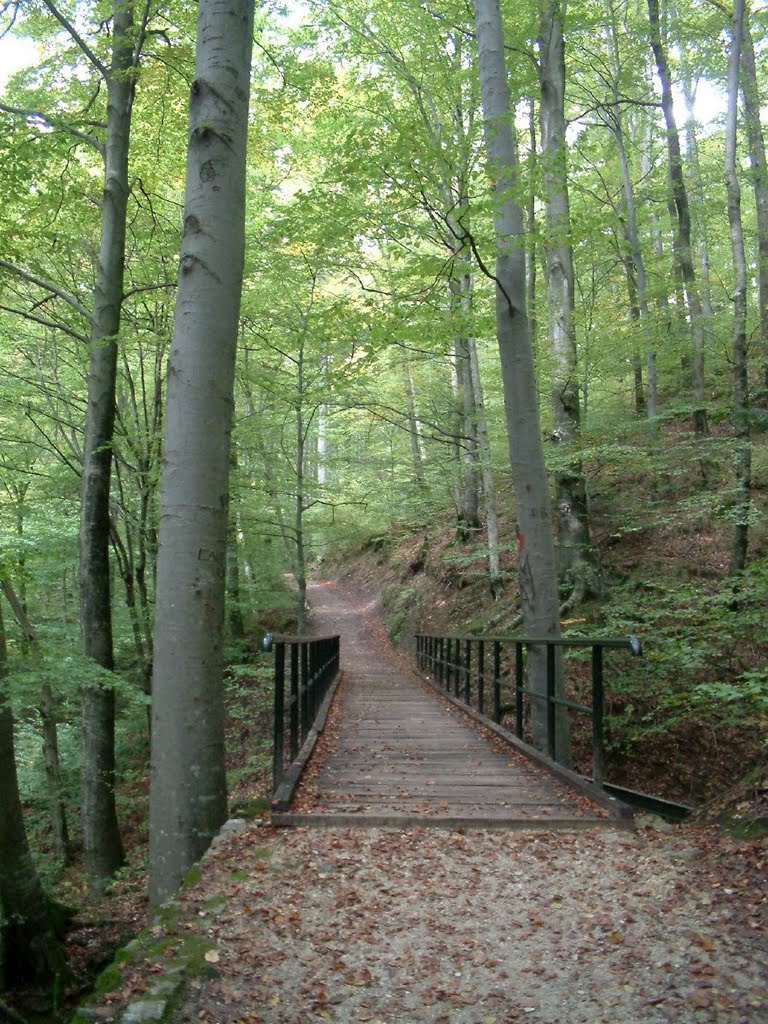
point(54, 325)
point(57, 123)
point(78, 39)
point(42, 282)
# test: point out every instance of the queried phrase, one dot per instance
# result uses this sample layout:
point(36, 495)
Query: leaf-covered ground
point(474, 928)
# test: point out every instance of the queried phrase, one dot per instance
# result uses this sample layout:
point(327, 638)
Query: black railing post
point(481, 676)
point(467, 671)
point(519, 691)
point(598, 711)
point(278, 739)
point(295, 710)
point(448, 663)
point(441, 663)
point(304, 658)
point(497, 681)
point(456, 667)
point(551, 745)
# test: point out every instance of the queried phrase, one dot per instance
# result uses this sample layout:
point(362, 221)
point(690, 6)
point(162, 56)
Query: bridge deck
point(396, 752)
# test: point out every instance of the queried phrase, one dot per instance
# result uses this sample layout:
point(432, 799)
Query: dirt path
point(386, 926)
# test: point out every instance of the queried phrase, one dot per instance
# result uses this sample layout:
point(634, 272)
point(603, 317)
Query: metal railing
point(304, 670)
point(457, 664)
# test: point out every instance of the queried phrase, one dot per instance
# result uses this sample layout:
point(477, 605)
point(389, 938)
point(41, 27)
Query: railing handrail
point(631, 642)
point(300, 638)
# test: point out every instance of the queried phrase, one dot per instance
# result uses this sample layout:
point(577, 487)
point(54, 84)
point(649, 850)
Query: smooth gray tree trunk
point(570, 490)
point(188, 794)
point(699, 199)
point(102, 846)
point(413, 424)
point(740, 367)
point(616, 125)
point(537, 568)
point(486, 473)
point(680, 211)
point(755, 135)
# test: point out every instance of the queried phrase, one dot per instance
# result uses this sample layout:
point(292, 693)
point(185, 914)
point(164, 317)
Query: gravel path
point(482, 928)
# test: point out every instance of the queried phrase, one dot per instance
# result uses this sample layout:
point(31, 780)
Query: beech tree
point(537, 568)
point(681, 216)
point(188, 797)
point(740, 366)
point(571, 497)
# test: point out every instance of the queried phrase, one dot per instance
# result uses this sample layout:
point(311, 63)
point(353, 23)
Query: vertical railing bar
point(481, 676)
point(598, 711)
point(304, 658)
point(467, 671)
point(497, 681)
point(295, 709)
point(519, 668)
point(551, 746)
point(278, 745)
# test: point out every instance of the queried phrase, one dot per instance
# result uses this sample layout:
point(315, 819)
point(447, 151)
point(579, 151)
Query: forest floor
point(385, 926)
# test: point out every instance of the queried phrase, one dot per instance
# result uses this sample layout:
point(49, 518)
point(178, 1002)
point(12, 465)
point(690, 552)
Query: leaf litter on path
point(440, 927)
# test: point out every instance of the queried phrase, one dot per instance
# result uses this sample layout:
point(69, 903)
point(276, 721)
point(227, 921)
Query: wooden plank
point(455, 822)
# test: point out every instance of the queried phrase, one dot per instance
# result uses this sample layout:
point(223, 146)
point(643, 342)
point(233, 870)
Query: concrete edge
point(283, 795)
point(616, 807)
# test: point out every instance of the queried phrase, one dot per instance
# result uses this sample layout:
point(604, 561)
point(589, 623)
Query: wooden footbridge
point(400, 747)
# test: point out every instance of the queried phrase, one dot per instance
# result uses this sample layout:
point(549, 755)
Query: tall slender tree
point(739, 348)
point(681, 219)
point(753, 99)
point(537, 570)
point(571, 494)
point(188, 798)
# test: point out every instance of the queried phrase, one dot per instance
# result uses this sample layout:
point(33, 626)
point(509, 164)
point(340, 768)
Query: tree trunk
point(699, 199)
point(752, 106)
point(413, 425)
point(682, 226)
point(102, 846)
point(234, 599)
point(616, 124)
point(662, 298)
point(571, 496)
point(740, 376)
point(537, 570)
point(487, 476)
point(466, 430)
point(300, 563)
point(30, 953)
point(188, 797)
point(531, 255)
point(50, 736)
